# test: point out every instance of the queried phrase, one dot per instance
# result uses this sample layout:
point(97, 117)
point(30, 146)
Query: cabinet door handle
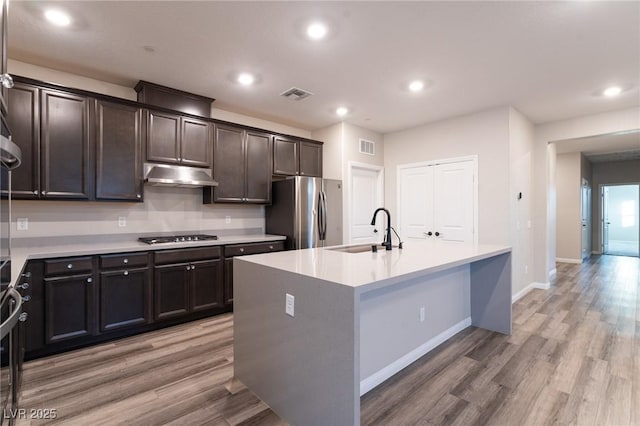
point(125, 260)
point(125, 273)
point(89, 280)
point(70, 266)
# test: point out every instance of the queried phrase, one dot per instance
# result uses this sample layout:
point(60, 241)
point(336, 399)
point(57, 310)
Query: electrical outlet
point(227, 219)
point(22, 223)
point(290, 305)
point(422, 314)
point(122, 221)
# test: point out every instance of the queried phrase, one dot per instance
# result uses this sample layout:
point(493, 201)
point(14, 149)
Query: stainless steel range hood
point(181, 176)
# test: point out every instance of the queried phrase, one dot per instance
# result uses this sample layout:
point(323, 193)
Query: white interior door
point(586, 219)
point(453, 191)
point(415, 201)
point(365, 192)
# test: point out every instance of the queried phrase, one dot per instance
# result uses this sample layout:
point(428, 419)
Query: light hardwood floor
point(573, 358)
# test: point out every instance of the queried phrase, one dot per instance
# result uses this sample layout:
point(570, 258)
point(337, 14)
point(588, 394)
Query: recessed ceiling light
point(57, 17)
point(317, 31)
point(246, 79)
point(416, 86)
point(342, 111)
point(612, 91)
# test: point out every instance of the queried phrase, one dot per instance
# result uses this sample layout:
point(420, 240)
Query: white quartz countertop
point(23, 250)
point(368, 270)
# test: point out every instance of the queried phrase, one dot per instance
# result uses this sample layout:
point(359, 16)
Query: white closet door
point(416, 201)
point(453, 201)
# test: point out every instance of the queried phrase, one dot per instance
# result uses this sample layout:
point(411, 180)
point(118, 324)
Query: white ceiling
point(610, 147)
point(547, 59)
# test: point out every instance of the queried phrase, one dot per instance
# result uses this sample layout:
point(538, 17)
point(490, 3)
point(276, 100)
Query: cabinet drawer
point(124, 260)
point(253, 248)
point(186, 255)
point(69, 265)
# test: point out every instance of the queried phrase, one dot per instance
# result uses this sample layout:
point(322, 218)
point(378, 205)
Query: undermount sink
point(360, 248)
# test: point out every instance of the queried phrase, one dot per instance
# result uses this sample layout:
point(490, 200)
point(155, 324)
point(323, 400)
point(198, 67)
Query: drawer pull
point(125, 260)
point(270, 247)
point(241, 250)
point(70, 266)
point(126, 273)
point(89, 280)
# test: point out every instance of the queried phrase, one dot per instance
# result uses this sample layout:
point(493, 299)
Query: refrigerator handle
point(323, 217)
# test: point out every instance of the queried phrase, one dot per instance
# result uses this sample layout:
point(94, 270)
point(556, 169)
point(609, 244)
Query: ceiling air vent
point(296, 94)
point(367, 147)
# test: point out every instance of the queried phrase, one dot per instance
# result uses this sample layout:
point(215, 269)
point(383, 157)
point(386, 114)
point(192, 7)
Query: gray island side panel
point(306, 368)
point(491, 293)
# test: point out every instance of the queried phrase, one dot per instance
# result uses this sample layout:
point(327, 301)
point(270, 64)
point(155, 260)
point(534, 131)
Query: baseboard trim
point(552, 273)
point(567, 260)
point(381, 375)
point(596, 252)
point(519, 295)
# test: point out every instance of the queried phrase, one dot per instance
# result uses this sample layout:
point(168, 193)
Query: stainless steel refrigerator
point(307, 210)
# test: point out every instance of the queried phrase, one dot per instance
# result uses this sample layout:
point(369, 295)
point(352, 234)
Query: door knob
point(429, 233)
point(437, 234)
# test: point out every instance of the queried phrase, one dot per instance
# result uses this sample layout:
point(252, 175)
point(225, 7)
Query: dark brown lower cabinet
point(228, 281)
point(172, 290)
point(70, 307)
point(206, 285)
point(125, 298)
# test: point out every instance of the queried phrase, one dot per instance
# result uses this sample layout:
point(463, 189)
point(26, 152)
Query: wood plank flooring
point(573, 359)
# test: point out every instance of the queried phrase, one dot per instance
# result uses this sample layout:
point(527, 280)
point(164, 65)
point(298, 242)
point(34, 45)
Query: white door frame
point(472, 158)
point(347, 215)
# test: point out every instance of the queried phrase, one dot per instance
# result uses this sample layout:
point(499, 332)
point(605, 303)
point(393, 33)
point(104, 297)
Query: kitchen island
point(358, 318)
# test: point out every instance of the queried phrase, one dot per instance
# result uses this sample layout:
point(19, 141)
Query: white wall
point(332, 150)
point(568, 207)
point(521, 139)
point(164, 209)
point(612, 172)
point(544, 157)
point(485, 134)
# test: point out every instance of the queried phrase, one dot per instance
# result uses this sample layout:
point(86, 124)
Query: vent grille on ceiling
point(296, 94)
point(367, 147)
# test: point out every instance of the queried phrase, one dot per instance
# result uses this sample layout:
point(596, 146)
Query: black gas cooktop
point(177, 238)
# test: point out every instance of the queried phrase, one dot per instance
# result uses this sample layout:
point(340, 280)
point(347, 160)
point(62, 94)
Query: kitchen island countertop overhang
point(358, 318)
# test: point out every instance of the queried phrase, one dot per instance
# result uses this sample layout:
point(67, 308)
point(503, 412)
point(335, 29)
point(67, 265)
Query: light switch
point(290, 305)
point(122, 221)
point(22, 223)
point(227, 219)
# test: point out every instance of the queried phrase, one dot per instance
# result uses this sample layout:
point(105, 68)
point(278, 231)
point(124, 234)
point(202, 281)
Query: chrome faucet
point(387, 238)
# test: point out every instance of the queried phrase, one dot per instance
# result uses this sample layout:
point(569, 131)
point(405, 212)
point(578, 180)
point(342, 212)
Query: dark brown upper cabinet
point(118, 152)
point(24, 120)
point(242, 166)
point(293, 157)
point(172, 138)
point(65, 145)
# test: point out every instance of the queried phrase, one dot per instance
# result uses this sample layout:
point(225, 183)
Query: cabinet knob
point(125, 260)
point(44, 192)
point(270, 247)
point(138, 195)
point(23, 286)
point(26, 274)
point(35, 192)
point(125, 273)
point(89, 280)
point(26, 298)
point(241, 250)
point(188, 267)
point(6, 80)
point(70, 266)
point(193, 267)
point(23, 317)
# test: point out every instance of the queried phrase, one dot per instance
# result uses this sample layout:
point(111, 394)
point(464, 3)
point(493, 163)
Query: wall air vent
point(367, 147)
point(296, 94)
